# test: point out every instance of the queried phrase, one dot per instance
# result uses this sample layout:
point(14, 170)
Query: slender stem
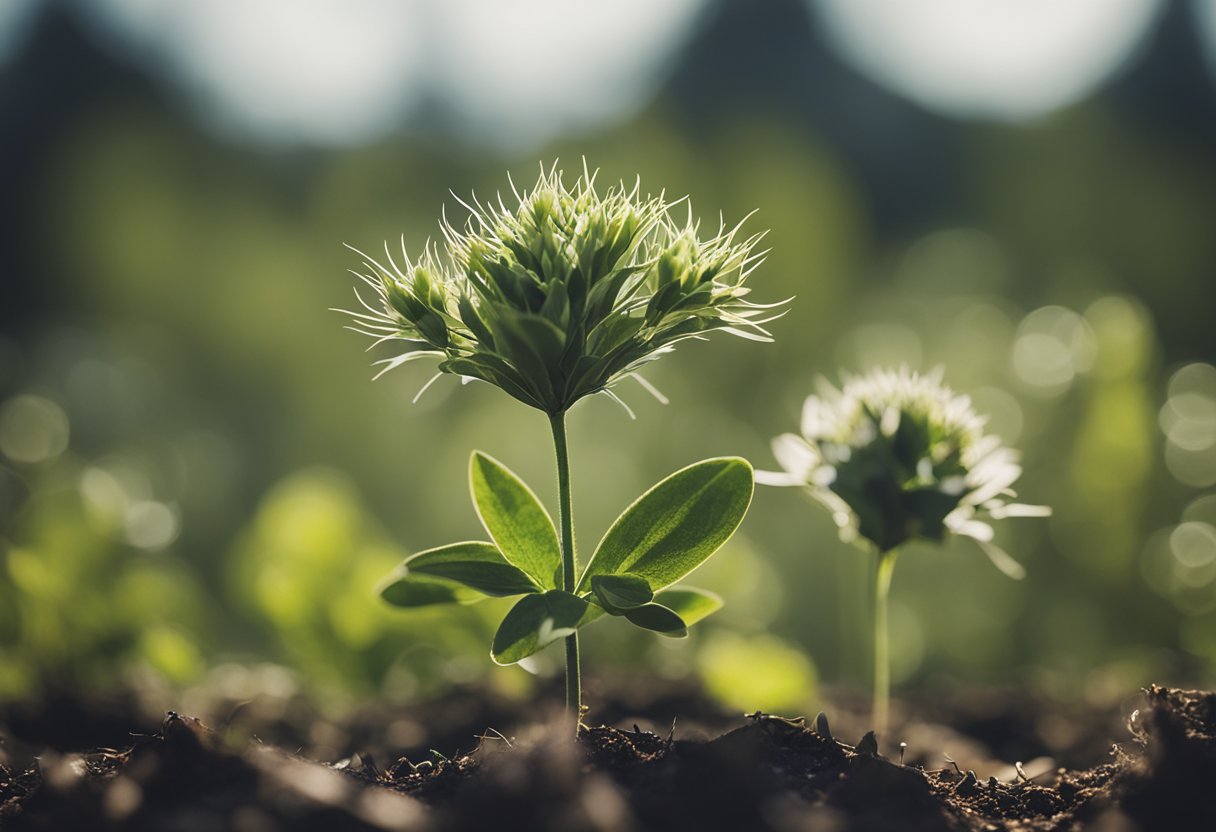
point(882, 658)
point(557, 421)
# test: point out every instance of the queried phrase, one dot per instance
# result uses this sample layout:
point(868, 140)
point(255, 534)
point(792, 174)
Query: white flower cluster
point(895, 455)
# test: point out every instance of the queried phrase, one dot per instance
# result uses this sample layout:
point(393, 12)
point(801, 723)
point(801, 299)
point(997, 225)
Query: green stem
point(574, 701)
point(882, 658)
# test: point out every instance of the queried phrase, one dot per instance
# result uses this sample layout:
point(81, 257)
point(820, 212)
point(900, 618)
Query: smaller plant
point(895, 455)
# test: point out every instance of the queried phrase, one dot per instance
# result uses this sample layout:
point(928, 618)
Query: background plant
point(167, 280)
point(554, 300)
point(896, 456)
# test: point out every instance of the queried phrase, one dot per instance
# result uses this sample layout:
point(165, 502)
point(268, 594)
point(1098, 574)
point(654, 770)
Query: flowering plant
point(896, 455)
point(555, 299)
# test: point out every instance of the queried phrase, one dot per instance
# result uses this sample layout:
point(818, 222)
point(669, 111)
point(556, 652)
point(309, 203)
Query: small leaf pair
point(666, 534)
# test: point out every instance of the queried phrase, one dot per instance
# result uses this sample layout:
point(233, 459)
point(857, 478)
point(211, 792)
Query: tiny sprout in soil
point(559, 298)
point(896, 456)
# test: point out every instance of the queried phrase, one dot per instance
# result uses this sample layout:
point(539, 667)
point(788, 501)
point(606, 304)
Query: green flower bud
point(565, 294)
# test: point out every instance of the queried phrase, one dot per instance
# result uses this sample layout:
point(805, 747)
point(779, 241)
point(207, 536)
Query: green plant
point(894, 456)
point(554, 300)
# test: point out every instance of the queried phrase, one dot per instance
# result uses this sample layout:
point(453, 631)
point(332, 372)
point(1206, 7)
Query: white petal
point(1019, 510)
point(1002, 560)
point(794, 454)
point(890, 421)
point(975, 529)
point(779, 478)
point(426, 387)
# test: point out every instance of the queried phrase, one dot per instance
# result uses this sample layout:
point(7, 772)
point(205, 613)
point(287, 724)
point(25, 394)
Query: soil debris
point(769, 773)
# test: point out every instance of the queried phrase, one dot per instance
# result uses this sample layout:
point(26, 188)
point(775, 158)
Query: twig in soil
point(950, 760)
point(498, 735)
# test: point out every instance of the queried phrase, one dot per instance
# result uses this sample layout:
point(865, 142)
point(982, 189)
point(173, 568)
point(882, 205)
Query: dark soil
point(767, 773)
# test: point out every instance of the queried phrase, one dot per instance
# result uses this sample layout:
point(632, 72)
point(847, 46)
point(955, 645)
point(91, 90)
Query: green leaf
point(658, 618)
point(402, 590)
point(618, 593)
point(672, 528)
point(474, 564)
point(515, 519)
point(689, 603)
point(490, 368)
point(526, 346)
point(536, 621)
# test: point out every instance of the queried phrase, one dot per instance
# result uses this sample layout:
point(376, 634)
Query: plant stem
point(882, 658)
point(574, 701)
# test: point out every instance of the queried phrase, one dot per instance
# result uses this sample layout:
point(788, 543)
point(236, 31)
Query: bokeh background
point(200, 486)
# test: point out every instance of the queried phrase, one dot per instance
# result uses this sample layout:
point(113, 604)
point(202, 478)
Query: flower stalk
point(881, 705)
point(557, 421)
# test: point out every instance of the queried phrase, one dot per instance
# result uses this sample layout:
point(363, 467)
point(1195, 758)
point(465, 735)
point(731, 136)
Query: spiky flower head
point(896, 455)
point(564, 294)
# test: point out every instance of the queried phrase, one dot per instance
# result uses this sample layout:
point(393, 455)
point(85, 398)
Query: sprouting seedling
point(895, 455)
point(555, 299)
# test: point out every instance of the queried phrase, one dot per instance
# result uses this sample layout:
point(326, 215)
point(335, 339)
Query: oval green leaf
point(618, 593)
point(403, 590)
point(689, 603)
point(658, 618)
point(672, 528)
point(515, 519)
point(475, 564)
point(536, 621)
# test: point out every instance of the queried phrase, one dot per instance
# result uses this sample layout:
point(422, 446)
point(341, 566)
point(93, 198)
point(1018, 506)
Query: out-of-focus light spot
point(1205, 20)
point(1194, 468)
point(1188, 419)
point(32, 429)
point(347, 71)
point(1003, 59)
point(1179, 563)
point(534, 68)
point(150, 525)
point(1123, 333)
point(32, 574)
point(1194, 545)
point(111, 487)
point(1201, 510)
point(172, 652)
point(326, 71)
point(1052, 346)
point(103, 495)
point(762, 671)
point(1189, 415)
point(15, 18)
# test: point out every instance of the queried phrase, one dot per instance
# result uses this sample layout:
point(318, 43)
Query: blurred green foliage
point(195, 466)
